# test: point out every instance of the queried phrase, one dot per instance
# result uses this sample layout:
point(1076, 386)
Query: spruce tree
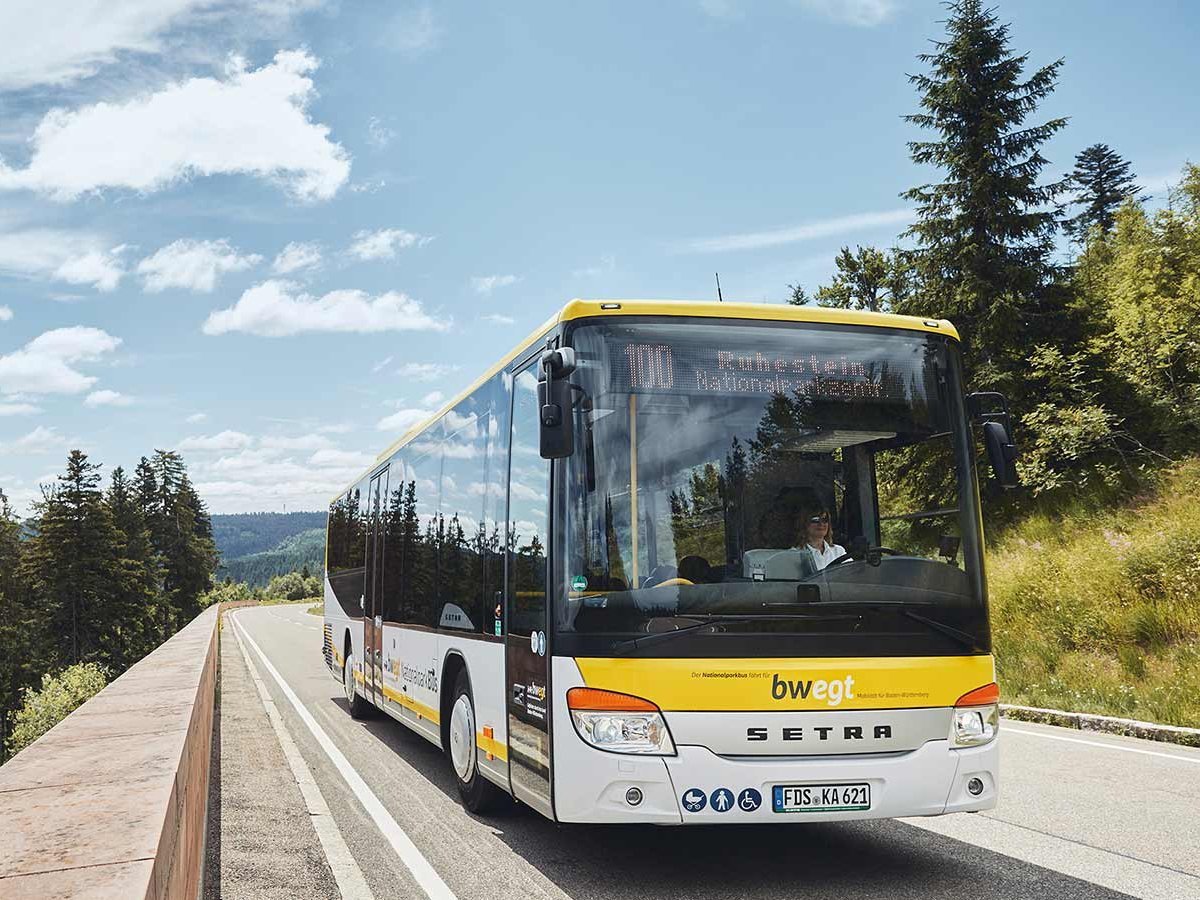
point(16, 625)
point(71, 564)
point(985, 234)
point(1103, 181)
point(136, 593)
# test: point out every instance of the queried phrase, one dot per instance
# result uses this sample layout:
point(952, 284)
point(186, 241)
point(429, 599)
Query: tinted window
point(527, 512)
point(461, 527)
point(346, 544)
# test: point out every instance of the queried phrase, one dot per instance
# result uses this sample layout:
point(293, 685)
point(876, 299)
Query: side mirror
point(1002, 454)
point(991, 410)
point(556, 436)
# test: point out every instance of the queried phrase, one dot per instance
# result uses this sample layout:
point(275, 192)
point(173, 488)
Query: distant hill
point(292, 554)
point(256, 546)
point(246, 533)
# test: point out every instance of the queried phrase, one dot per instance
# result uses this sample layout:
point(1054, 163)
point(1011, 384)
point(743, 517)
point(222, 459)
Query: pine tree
point(798, 296)
point(1103, 181)
point(985, 234)
point(136, 593)
point(16, 624)
point(71, 565)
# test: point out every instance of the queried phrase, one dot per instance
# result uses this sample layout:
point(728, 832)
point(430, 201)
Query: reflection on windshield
point(749, 470)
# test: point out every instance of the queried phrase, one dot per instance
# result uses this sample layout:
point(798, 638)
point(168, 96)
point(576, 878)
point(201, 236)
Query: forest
point(98, 576)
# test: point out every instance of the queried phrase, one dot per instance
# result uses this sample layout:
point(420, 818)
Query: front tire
point(478, 794)
point(358, 704)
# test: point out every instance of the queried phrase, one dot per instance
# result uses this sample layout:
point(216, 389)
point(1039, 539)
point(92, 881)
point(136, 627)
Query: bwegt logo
point(832, 692)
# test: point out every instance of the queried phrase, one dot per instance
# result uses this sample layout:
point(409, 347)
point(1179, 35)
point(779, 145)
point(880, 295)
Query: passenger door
point(527, 655)
point(373, 596)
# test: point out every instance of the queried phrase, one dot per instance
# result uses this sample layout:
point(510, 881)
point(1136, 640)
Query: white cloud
point(412, 31)
point(354, 459)
point(18, 409)
point(108, 398)
point(499, 319)
point(403, 419)
point(275, 309)
point(607, 263)
point(6, 314)
point(378, 134)
point(757, 240)
point(225, 440)
point(485, 284)
point(251, 122)
point(196, 418)
point(46, 364)
point(383, 243)
point(433, 398)
point(721, 9)
point(864, 13)
point(40, 440)
point(297, 256)
point(65, 40)
point(70, 256)
point(192, 265)
point(425, 371)
point(382, 364)
point(300, 442)
point(338, 428)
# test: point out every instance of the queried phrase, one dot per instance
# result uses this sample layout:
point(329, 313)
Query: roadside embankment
point(1098, 611)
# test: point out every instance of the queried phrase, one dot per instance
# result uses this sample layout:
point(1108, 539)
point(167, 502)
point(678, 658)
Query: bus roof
point(763, 312)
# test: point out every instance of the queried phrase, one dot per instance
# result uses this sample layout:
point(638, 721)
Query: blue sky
point(273, 233)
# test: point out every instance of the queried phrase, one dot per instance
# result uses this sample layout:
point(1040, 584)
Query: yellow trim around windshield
point(763, 312)
point(792, 684)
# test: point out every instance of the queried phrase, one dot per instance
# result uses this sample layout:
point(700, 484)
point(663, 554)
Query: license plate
point(801, 798)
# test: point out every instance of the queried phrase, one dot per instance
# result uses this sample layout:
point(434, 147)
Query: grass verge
point(1099, 612)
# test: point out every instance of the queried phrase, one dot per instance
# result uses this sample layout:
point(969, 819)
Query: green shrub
point(226, 593)
point(60, 695)
point(293, 586)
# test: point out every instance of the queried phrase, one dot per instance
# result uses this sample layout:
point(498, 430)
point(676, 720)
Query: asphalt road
point(1081, 815)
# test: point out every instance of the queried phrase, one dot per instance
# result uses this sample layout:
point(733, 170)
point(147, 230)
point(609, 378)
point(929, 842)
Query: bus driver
point(817, 539)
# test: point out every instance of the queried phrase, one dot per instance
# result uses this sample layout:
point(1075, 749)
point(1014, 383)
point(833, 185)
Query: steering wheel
point(671, 582)
point(849, 556)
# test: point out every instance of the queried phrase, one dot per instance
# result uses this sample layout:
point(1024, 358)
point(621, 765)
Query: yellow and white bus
point(678, 563)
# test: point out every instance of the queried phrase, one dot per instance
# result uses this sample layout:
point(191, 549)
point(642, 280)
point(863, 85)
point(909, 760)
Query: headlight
point(976, 717)
point(619, 723)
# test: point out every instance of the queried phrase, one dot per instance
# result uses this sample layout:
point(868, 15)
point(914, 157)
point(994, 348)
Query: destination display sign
point(649, 367)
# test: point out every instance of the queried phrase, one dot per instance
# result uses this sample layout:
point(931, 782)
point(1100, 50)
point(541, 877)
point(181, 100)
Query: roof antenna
point(720, 299)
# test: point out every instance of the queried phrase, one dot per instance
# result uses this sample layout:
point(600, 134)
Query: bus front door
point(373, 598)
point(527, 658)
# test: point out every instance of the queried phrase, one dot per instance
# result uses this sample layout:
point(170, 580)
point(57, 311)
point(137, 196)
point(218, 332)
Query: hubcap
point(462, 738)
point(348, 677)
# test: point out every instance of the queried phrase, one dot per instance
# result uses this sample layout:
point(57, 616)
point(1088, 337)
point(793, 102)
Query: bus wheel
point(358, 705)
point(478, 794)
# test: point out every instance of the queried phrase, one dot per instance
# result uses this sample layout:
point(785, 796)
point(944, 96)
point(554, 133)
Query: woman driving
point(816, 533)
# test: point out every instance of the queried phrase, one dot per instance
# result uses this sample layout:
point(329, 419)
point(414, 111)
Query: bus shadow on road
point(793, 859)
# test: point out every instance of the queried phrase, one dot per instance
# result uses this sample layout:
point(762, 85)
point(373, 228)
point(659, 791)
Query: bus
point(687, 562)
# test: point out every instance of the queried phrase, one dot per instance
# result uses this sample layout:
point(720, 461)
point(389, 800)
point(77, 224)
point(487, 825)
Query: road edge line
point(1103, 744)
point(346, 873)
point(416, 863)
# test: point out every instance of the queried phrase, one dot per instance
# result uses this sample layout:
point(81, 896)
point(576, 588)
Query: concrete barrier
point(111, 802)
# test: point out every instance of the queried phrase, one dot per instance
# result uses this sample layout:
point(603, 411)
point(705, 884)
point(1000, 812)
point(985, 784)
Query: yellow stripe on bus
point(769, 684)
point(492, 746)
point(425, 712)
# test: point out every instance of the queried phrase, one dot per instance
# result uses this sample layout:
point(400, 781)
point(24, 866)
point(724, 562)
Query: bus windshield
point(742, 489)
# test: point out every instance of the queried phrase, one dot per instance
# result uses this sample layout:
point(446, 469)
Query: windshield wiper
point(708, 621)
point(905, 608)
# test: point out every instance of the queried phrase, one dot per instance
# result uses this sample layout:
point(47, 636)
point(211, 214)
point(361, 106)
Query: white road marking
point(349, 877)
point(1073, 858)
point(424, 874)
point(1008, 729)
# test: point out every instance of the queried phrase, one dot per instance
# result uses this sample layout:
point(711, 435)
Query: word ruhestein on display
point(653, 367)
